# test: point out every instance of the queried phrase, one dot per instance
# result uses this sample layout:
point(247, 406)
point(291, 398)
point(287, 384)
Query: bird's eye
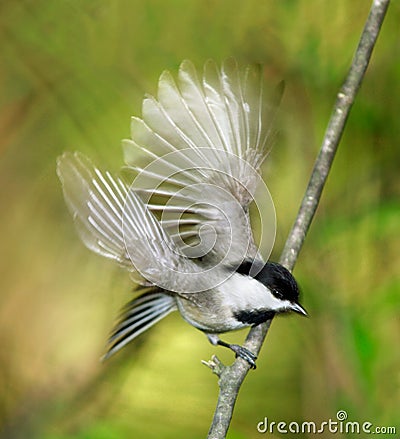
point(277, 294)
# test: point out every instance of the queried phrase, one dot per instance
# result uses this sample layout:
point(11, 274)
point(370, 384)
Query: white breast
point(214, 310)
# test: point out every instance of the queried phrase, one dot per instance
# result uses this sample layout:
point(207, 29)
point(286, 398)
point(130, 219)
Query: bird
point(177, 215)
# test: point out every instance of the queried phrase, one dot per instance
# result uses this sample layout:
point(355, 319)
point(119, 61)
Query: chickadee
point(181, 225)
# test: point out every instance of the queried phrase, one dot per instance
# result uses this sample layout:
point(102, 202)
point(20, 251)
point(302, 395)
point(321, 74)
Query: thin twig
point(231, 377)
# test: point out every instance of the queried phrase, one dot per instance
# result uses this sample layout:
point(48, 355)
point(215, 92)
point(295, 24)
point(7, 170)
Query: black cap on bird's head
point(278, 279)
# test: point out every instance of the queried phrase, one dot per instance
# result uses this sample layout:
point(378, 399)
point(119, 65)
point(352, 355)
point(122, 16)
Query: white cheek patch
point(245, 292)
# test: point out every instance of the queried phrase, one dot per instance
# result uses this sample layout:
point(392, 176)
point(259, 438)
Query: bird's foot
point(245, 354)
point(240, 351)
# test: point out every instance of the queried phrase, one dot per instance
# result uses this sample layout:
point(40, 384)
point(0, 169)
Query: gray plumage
point(180, 225)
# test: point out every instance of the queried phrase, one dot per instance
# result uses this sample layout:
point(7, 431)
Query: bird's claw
point(245, 354)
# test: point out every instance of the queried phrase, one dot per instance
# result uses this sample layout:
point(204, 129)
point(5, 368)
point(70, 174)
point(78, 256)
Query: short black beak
point(296, 307)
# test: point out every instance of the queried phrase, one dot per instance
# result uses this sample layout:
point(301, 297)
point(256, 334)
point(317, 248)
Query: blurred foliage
point(72, 73)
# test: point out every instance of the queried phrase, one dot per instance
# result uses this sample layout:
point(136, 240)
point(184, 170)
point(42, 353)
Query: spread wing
point(206, 139)
point(114, 222)
point(96, 202)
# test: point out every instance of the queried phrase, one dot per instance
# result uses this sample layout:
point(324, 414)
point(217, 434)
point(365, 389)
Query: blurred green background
point(72, 73)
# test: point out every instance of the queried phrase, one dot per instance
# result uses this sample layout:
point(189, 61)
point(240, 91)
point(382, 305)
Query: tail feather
point(138, 316)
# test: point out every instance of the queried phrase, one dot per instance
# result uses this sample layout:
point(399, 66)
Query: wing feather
point(213, 131)
point(113, 221)
point(96, 210)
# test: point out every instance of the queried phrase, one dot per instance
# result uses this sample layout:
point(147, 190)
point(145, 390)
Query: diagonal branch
point(231, 377)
